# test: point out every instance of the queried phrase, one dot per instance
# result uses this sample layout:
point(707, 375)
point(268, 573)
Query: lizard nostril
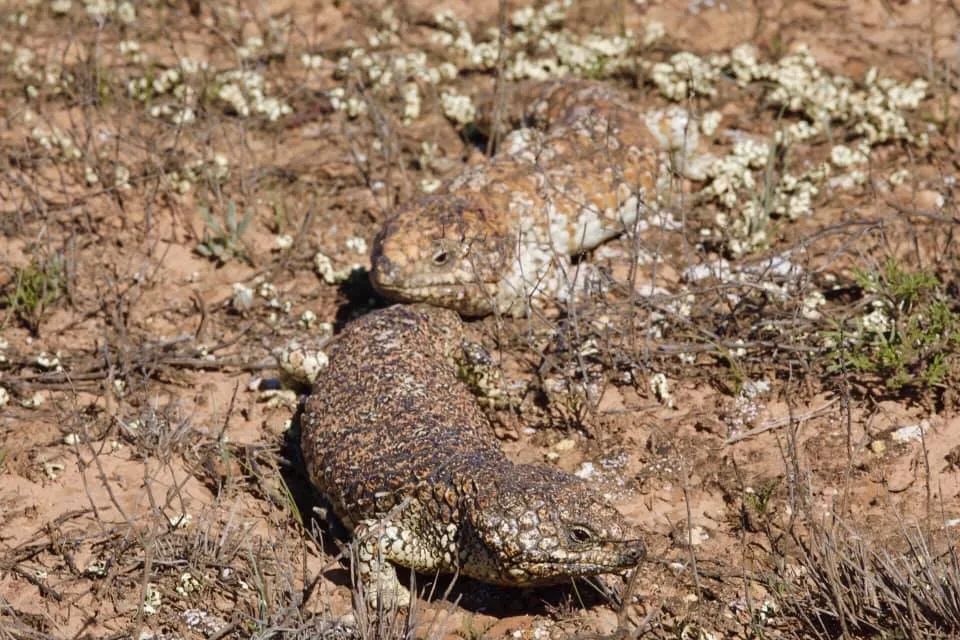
point(636, 552)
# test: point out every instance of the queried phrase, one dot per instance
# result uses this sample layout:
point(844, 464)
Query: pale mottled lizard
point(499, 236)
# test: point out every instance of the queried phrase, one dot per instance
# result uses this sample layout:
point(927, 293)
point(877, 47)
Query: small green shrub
point(223, 239)
point(34, 289)
point(910, 338)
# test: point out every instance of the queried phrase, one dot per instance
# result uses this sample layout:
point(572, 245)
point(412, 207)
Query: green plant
point(758, 507)
point(34, 289)
point(223, 239)
point(910, 338)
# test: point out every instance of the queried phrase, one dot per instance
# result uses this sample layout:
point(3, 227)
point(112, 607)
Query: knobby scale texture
point(409, 462)
point(498, 237)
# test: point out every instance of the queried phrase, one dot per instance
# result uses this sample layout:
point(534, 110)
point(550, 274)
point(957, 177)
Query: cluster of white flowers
point(61, 7)
point(799, 85)
point(872, 114)
point(268, 291)
point(188, 584)
point(22, 63)
point(742, 219)
point(843, 156)
point(312, 60)
point(683, 76)
point(56, 140)
point(214, 170)
point(36, 399)
point(793, 195)
point(251, 47)
point(173, 82)
point(538, 47)
point(243, 92)
point(50, 76)
point(661, 389)
point(383, 71)
point(357, 245)
point(131, 52)
point(152, 600)
point(353, 105)
point(878, 113)
point(877, 321)
point(323, 266)
point(458, 108)
point(101, 10)
point(811, 305)
point(710, 122)
point(899, 177)
point(748, 406)
point(653, 32)
point(732, 173)
point(593, 55)
point(121, 177)
point(307, 319)
point(430, 185)
point(411, 102)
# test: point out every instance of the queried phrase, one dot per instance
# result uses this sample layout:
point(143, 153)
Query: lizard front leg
point(382, 542)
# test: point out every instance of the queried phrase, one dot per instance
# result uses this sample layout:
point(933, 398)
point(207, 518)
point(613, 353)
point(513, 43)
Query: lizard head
point(542, 526)
point(446, 250)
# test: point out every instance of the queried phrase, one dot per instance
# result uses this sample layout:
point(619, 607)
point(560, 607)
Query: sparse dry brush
point(763, 371)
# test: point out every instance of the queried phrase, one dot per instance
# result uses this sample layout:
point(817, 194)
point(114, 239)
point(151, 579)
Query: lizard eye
point(580, 534)
point(441, 257)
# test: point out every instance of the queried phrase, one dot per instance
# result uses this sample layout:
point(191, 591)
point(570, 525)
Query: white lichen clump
point(323, 265)
point(173, 93)
point(748, 186)
point(536, 47)
point(748, 406)
point(877, 321)
point(661, 389)
point(244, 92)
point(458, 108)
point(821, 103)
point(685, 75)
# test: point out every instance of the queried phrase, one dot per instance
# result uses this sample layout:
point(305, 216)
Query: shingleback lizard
point(409, 462)
point(498, 237)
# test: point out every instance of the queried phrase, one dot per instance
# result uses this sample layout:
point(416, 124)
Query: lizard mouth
point(546, 571)
point(469, 298)
point(461, 299)
point(552, 573)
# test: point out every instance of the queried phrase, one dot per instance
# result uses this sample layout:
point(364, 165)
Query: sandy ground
point(147, 488)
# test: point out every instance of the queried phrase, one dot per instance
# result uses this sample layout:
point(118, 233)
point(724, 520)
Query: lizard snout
point(635, 552)
point(383, 271)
